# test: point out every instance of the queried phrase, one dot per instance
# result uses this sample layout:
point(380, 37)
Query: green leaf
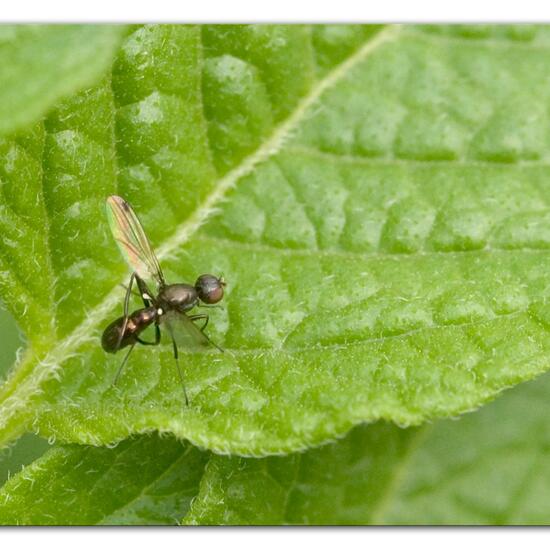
point(24, 451)
point(29, 447)
point(39, 64)
point(147, 480)
point(11, 341)
point(486, 468)
point(378, 211)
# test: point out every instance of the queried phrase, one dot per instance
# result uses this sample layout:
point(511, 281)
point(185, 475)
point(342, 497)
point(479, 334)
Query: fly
point(168, 307)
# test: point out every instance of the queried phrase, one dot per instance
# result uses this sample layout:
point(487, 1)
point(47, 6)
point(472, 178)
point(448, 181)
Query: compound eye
point(210, 288)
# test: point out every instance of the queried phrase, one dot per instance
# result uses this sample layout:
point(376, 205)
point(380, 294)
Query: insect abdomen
point(137, 322)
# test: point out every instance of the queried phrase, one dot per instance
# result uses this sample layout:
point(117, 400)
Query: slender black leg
point(180, 372)
point(133, 291)
point(122, 364)
point(144, 291)
point(126, 305)
point(200, 316)
point(157, 338)
point(213, 343)
point(205, 316)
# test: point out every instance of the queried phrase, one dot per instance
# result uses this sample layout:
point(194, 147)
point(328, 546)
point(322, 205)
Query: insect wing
point(132, 240)
point(185, 332)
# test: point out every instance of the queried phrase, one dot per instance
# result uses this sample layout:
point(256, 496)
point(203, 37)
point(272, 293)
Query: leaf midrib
point(26, 381)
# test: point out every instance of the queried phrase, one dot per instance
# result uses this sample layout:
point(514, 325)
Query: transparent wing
point(184, 331)
point(131, 239)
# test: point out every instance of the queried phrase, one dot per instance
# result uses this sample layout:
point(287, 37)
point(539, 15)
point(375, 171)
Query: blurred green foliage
point(29, 446)
point(11, 340)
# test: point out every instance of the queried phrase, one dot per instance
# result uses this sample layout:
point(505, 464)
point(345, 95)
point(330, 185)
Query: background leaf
point(39, 64)
point(29, 447)
point(21, 453)
point(379, 214)
point(490, 467)
point(143, 481)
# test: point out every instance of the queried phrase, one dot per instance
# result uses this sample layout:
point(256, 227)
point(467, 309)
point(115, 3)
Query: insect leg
point(180, 372)
point(133, 291)
point(213, 343)
point(157, 338)
point(200, 316)
point(126, 305)
point(205, 316)
point(122, 364)
point(144, 291)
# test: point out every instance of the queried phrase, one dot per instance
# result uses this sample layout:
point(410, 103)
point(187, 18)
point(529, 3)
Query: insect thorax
point(181, 297)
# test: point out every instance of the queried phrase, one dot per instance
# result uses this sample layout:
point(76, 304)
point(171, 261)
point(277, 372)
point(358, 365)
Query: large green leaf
point(24, 451)
point(490, 467)
point(375, 199)
point(143, 481)
point(39, 64)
